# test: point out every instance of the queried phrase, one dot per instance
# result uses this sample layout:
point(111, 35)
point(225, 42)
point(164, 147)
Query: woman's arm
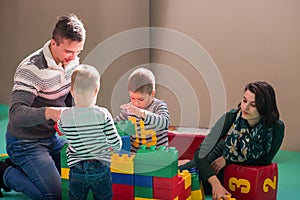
point(218, 191)
point(219, 130)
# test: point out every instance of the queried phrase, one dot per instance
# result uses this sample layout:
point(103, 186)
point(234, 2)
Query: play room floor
point(288, 167)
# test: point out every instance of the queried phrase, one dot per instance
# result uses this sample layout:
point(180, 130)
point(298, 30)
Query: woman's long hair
point(265, 100)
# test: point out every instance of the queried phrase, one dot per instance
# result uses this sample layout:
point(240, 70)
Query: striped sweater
point(157, 119)
point(38, 82)
point(90, 132)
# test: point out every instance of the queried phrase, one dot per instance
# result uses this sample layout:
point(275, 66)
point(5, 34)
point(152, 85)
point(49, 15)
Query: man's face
point(66, 51)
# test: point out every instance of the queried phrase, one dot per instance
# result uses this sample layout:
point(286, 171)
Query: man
point(40, 93)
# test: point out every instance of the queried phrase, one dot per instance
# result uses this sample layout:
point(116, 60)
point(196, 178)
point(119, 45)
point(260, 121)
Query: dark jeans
point(90, 175)
point(38, 166)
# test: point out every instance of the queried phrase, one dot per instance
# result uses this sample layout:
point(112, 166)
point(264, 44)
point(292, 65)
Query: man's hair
point(68, 27)
point(141, 80)
point(85, 78)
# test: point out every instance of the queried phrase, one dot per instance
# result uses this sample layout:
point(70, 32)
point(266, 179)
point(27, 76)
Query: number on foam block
point(239, 183)
point(270, 183)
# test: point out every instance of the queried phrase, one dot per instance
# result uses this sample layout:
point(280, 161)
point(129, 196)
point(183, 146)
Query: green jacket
point(219, 131)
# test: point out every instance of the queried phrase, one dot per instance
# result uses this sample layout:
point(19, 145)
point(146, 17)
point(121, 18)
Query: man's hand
point(54, 113)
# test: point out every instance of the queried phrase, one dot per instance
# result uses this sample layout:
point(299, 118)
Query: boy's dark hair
point(141, 80)
point(68, 27)
point(265, 100)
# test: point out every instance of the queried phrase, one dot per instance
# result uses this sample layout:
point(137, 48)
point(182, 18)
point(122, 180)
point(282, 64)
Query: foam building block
point(125, 145)
point(144, 181)
point(160, 161)
point(251, 182)
point(165, 183)
point(229, 198)
point(176, 191)
point(125, 128)
point(119, 178)
point(151, 173)
point(185, 193)
point(121, 192)
point(64, 172)
point(142, 133)
point(185, 143)
point(197, 190)
point(122, 163)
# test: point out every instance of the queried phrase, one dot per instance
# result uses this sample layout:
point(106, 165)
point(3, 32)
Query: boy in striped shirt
point(150, 114)
point(91, 134)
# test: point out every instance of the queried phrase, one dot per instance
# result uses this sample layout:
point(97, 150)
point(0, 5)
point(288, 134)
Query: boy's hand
point(133, 110)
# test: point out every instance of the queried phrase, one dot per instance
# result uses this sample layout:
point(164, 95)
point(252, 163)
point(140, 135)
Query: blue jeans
point(38, 167)
point(90, 175)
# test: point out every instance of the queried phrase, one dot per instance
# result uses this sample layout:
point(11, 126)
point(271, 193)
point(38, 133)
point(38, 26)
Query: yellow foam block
point(186, 176)
point(197, 195)
point(65, 173)
point(122, 163)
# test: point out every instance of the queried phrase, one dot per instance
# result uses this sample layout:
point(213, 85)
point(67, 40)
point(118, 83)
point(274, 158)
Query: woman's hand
point(218, 191)
point(218, 164)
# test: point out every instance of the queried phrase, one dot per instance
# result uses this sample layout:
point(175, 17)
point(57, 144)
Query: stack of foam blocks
point(151, 173)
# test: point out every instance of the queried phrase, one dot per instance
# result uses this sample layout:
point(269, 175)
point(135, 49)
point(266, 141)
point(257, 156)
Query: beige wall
point(248, 40)
point(27, 25)
point(243, 40)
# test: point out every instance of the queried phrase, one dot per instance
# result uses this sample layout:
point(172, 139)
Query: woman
point(249, 135)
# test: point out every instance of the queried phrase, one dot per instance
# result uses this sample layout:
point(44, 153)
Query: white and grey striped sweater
point(38, 82)
point(157, 119)
point(90, 132)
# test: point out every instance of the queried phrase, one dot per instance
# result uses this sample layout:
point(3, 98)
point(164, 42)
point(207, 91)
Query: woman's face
point(248, 108)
